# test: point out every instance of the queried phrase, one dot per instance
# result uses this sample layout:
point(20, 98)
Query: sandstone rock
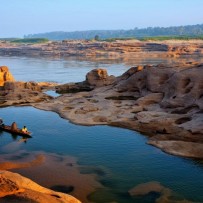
point(157, 78)
point(180, 148)
point(17, 86)
point(162, 102)
point(95, 78)
point(5, 75)
point(150, 99)
point(184, 89)
point(27, 190)
point(74, 87)
point(99, 77)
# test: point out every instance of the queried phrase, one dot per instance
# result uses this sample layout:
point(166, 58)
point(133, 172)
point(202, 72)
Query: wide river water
point(122, 157)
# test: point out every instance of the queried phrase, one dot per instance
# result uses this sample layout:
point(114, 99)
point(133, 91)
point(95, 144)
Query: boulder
point(99, 78)
point(5, 75)
point(95, 78)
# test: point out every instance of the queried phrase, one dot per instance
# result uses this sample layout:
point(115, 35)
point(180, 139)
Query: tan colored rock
point(184, 89)
point(180, 148)
point(150, 99)
point(5, 75)
point(17, 86)
point(21, 187)
point(163, 102)
point(99, 77)
point(146, 188)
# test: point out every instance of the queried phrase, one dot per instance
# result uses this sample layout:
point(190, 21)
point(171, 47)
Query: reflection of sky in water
point(71, 69)
point(122, 155)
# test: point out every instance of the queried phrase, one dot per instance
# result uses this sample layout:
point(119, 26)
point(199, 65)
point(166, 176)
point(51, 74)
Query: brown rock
point(27, 190)
point(17, 86)
point(184, 89)
point(5, 75)
point(99, 78)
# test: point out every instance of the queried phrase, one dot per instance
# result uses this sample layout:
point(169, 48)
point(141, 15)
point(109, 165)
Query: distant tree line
point(189, 30)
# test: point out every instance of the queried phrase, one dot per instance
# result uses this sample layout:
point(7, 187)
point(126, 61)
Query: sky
point(22, 17)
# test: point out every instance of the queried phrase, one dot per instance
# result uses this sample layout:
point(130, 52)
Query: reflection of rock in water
point(63, 188)
point(39, 159)
point(60, 173)
point(163, 194)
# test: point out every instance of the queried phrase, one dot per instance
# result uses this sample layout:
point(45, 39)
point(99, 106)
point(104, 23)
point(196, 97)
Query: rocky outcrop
point(19, 93)
point(116, 49)
point(162, 102)
point(99, 78)
point(166, 103)
point(5, 75)
point(95, 78)
point(14, 187)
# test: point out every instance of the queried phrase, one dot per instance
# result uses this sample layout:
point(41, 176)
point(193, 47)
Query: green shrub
point(31, 40)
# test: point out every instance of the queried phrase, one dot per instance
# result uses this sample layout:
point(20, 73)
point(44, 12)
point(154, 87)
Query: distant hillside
point(189, 30)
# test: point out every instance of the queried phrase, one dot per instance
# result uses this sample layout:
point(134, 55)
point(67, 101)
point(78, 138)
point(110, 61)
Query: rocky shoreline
point(162, 102)
point(115, 49)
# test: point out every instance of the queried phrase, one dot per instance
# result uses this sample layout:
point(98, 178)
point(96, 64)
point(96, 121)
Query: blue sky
point(19, 17)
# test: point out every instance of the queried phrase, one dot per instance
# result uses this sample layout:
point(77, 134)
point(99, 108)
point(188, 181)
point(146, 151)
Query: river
point(120, 158)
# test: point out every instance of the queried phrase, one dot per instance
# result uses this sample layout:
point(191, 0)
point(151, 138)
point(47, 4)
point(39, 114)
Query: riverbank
point(116, 49)
point(161, 102)
point(164, 103)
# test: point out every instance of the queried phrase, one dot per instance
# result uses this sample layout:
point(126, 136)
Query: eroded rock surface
point(116, 49)
point(95, 78)
point(20, 93)
point(21, 189)
point(165, 103)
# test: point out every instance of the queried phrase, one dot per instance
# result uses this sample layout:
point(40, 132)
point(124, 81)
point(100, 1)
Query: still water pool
point(123, 153)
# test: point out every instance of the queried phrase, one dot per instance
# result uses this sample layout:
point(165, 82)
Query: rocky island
point(162, 102)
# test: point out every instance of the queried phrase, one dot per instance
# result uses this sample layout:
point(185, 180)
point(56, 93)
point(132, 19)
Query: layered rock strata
point(119, 48)
point(21, 93)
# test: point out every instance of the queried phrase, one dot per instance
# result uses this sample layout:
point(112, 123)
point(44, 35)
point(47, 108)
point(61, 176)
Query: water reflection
point(74, 69)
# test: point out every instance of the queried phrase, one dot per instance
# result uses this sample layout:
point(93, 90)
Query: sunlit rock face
point(21, 189)
point(5, 75)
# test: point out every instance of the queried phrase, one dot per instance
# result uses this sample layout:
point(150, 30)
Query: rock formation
point(14, 93)
point(162, 102)
point(5, 75)
point(116, 49)
point(14, 187)
point(95, 78)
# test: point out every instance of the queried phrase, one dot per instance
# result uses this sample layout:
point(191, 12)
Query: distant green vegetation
point(31, 40)
point(156, 38)
point(114, 39)
point(161, 38)
point(8, 39)
point(188, 30)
